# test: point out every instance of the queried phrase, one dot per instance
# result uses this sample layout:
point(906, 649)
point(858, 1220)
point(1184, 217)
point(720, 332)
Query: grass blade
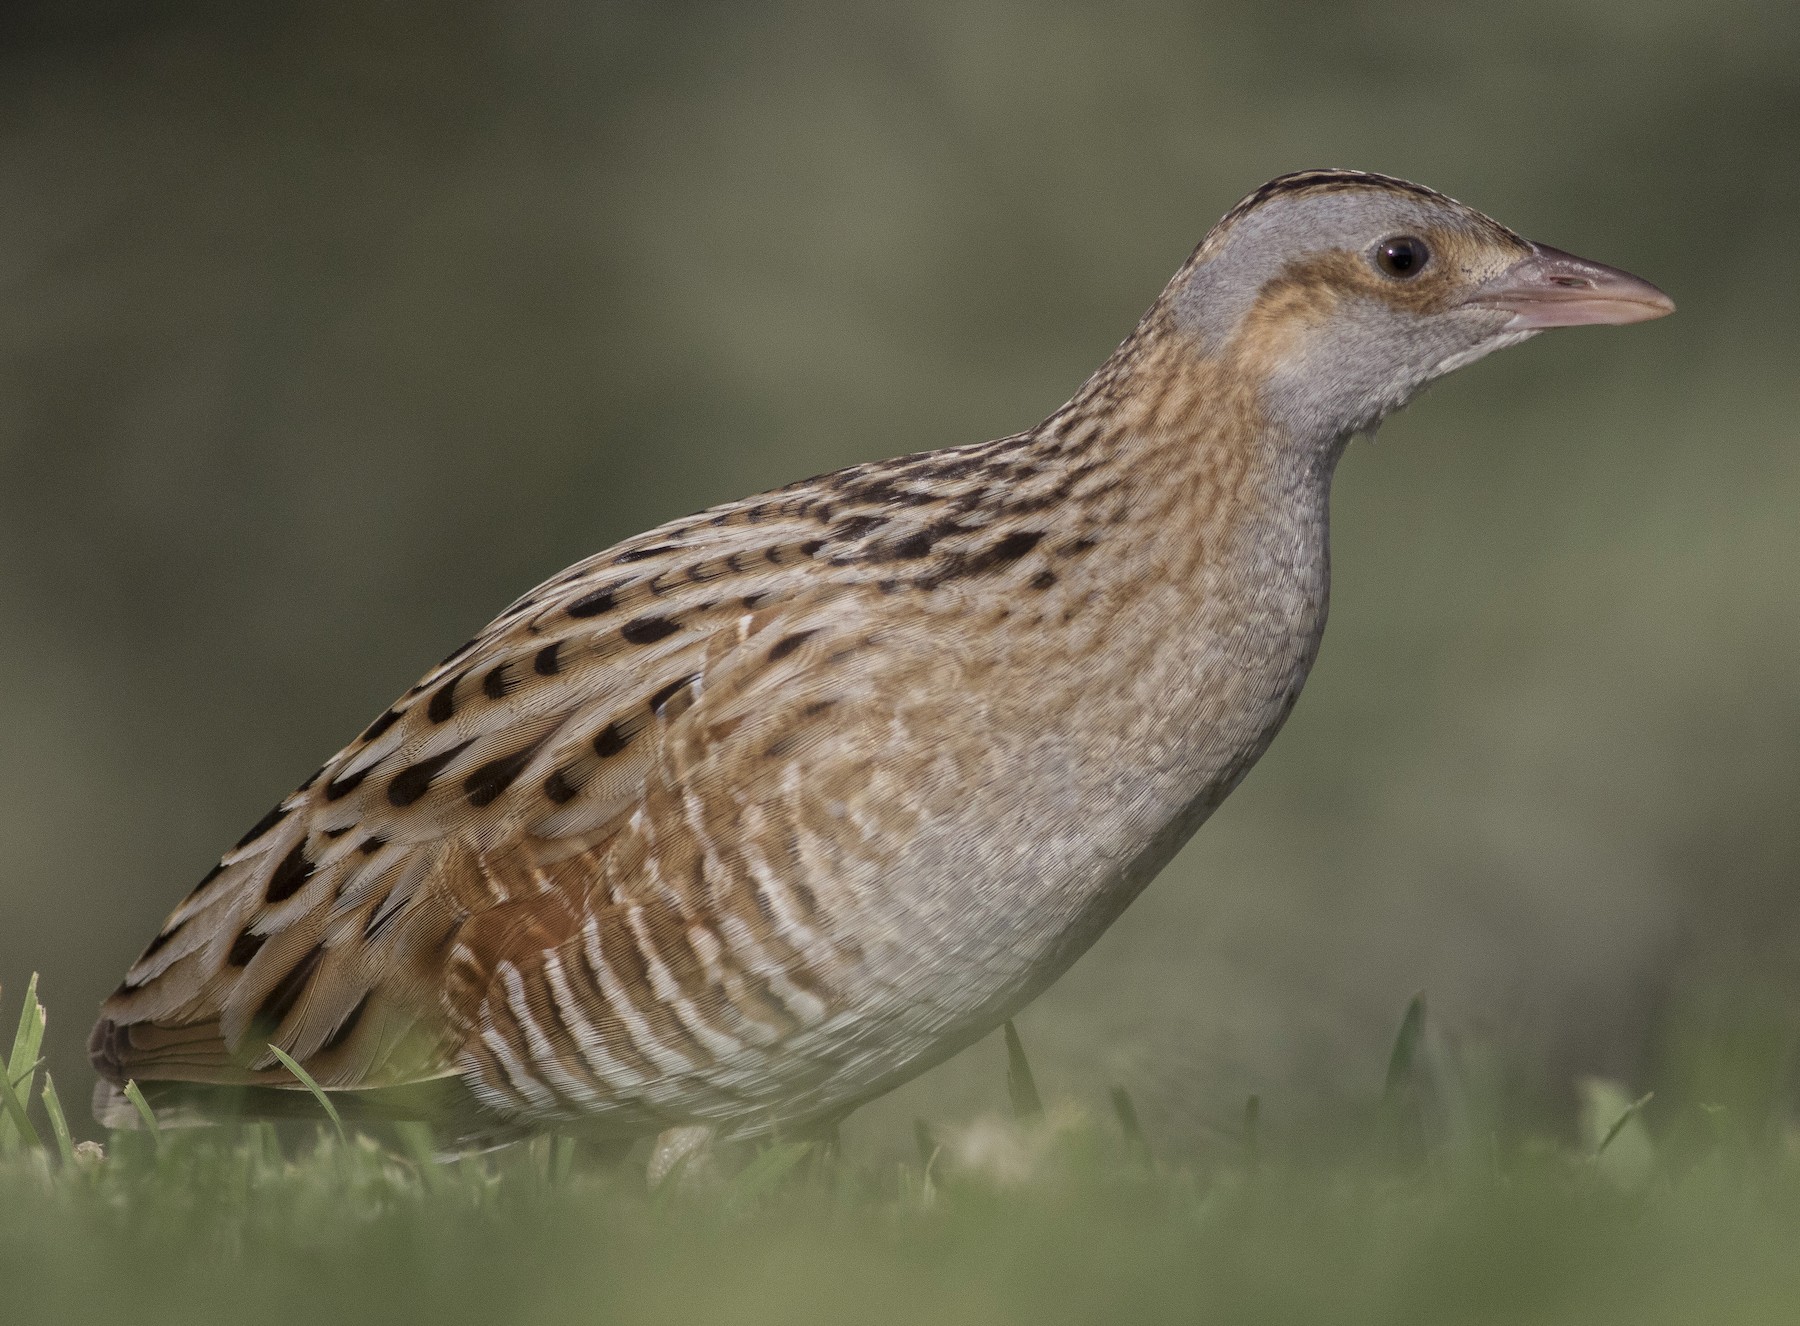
point(562, 1161)
point(20, 1068)
point(926, 1141)
point(306, 1080)
point(30, 1033)
point(1618, 1125)
point(1021, 1086)
point(135, 1095)
point(1126, 1110)
point(421, 1148)
point(59, 1126)
point(18, 1122)
point(1406, 1048)
point(764, 1174)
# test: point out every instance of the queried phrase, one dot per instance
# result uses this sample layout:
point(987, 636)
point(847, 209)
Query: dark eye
point(1403, 256)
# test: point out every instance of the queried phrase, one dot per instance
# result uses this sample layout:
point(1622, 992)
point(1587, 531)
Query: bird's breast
point(1083, 750)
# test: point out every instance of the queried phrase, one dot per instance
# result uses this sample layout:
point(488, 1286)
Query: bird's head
point(1342, 293)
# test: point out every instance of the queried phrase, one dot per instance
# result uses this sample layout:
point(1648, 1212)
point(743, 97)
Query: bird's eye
point(1403, 256)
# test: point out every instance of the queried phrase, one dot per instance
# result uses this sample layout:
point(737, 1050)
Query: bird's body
point(759, 813)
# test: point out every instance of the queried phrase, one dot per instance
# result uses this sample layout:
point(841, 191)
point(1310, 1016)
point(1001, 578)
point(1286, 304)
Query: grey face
point(1344, 294)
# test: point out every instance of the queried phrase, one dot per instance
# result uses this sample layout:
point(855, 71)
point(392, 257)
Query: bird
point(745, 820)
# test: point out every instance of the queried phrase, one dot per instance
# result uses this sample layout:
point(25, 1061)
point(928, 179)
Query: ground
point(1415, 1213)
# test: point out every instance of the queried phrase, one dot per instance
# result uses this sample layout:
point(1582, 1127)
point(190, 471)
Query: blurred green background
point(326, 329)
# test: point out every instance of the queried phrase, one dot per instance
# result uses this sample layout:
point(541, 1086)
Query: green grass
point(1052, 1215)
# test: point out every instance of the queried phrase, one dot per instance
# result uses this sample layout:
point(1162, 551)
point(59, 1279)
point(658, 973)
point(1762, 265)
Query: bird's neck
point(1209, 569)
point(1183, 463)
point(1170, 649)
